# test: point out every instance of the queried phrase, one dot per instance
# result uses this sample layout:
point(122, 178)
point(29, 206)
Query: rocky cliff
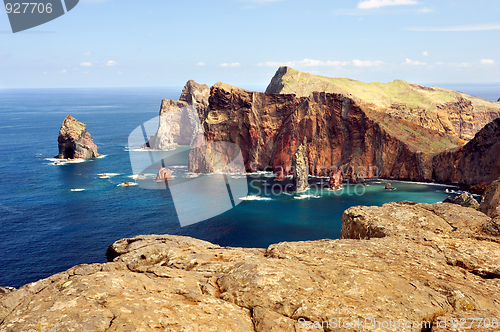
point(404, 109)
point(179, 120)
point(478, 161)
point(391, 130)
point(339, 133)
point(402, 262)
point(74, 140)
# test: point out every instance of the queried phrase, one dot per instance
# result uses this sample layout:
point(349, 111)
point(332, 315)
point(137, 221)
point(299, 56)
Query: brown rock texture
point(476, 162)
point(179, 120)
point(74, 140)
point(400, 262)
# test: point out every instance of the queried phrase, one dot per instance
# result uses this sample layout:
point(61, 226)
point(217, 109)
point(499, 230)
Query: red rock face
point(339, 134)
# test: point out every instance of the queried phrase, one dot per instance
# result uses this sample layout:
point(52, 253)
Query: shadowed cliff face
point(270, 127)
point(476, 162)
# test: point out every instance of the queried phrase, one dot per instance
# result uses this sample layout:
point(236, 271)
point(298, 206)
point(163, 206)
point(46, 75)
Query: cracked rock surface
point(402, 261)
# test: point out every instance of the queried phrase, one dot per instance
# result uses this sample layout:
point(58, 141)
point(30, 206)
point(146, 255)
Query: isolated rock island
point(74, 140)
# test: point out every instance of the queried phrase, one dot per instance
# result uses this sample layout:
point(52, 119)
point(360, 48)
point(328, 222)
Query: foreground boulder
point(402, 262)
point(74, 140)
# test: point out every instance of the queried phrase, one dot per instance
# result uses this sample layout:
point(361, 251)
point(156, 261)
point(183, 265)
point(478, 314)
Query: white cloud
point(461, 65)
point(150, 34)
point(87, 53)
point(425, 10)
point(64, 71)
point(414, 62)
point(234, 64)
point(201, 63)
point(487, 62)
point(111, 63)
point(305, 63)
point(150, 12)
point(477, 27)
point(86, 64)
point(366, 63)
point(369, 4)
point(425, 53)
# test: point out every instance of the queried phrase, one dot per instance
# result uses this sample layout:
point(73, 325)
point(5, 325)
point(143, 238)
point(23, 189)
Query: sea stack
point(164, 174)
point(301, 171)
point(388, 186)
point(74, 140)
point(336, 179)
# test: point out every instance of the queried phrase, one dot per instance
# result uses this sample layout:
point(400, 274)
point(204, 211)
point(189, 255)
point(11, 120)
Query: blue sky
point(115, 43)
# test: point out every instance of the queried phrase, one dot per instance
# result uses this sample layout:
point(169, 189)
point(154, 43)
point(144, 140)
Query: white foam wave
point(58, 162)
point(141, 176)
point(77, 189)
point(102, 156)
point(255, 198)
point(425, 183)
point(307, 196)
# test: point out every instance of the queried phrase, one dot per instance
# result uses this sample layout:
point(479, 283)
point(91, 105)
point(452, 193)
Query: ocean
point(53, 216)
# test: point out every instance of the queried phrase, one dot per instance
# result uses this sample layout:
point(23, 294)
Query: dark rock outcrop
point(464, 199)
point(388, 186)
point(399, 262)
point(476, 162)
point(490, 203)
point(301, 168)
point(74, 140)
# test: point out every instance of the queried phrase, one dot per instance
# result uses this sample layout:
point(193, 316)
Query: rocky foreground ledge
point(402, 261)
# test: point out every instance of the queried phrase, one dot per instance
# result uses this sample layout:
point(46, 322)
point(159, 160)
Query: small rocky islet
point(404, 261)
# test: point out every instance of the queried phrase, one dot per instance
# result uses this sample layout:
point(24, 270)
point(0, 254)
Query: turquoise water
point(48, 223)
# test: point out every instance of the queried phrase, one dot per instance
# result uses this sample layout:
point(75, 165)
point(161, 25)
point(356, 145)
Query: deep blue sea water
point(46, 228)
